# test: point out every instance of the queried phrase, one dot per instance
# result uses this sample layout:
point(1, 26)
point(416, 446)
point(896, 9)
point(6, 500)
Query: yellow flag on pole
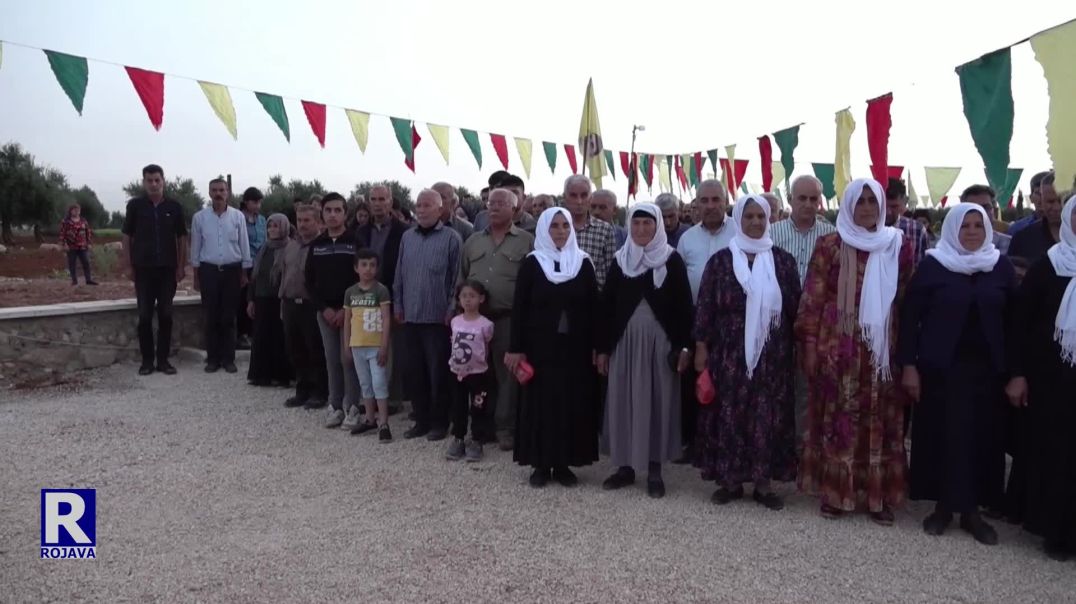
point(590, 138)
point(221, 101)
point(525, 148)
point(440, 138)
point(1054, 50)
point(842, 162)
point(360, 127)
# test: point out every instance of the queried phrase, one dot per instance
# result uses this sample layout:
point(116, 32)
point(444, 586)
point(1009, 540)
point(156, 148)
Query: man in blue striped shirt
point(798, 233)
point(422, 299)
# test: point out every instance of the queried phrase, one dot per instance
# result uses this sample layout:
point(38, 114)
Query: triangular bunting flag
point(765, 154)
point(879, 122)
point(712, 153)
point(274, 106)
point(500, 146)
point(573, 161)
point(72, 73)
point(221, 101)
point(525, 149)
point(150, 88)
point(696, 168)
point(415, 140)
point(986, 88)
point(609, 162)
point(664, 180)
point(787, 140)
point(1054, 50)
point(360, 126)
point(440, 138)
point(777, 169)
point(471, 138)
point(648, 169)
point(315, 114)
point(402, 129)
point(550, 150)
point(842, 162)
point(625, 165)
point(913, 197)
point(824, 173)
point(1012, 179)
point(939, 181)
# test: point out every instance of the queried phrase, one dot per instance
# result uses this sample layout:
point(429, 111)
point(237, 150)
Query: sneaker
point(455, 450)
point(384, 435)
point(352, 419)
point(474, 451)
point(363, 427)
point(295, 401)
point(335, 418)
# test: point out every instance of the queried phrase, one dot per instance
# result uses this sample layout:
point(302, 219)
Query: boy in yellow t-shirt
point(367, 320)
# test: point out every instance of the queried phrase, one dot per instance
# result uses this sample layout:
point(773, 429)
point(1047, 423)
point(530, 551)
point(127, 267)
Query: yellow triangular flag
point(360, 127)
point(523, 145)
point(939, 181)
point(221, 101)
point(590, 138)
point(778, 175)
point(440, 138)
point(664, 179)
point(912, 195)
point(1054, 50)
point(842, 161)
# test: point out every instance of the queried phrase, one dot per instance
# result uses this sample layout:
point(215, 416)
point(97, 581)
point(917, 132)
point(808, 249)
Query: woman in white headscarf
point(743, 333)
point(853, 450)
point(954, 331)
point(645, 344)
point(554, 319)
point(1044, 366)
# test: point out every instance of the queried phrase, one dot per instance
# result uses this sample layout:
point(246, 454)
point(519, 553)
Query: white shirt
point(697, 245)
point(219, 239)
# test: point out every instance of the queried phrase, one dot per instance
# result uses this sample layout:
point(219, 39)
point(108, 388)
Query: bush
point(105, 260)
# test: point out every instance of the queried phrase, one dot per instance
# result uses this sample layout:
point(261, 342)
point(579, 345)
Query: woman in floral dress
point(853, 454)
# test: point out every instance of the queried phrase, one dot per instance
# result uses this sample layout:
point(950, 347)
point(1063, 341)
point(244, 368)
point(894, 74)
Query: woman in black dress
point(268, 356)
point(952, 345)
point(553, 329)
point(1045, 383)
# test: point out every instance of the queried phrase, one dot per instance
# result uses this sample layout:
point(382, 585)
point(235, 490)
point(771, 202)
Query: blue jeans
point(83, 256)
point(373, 378)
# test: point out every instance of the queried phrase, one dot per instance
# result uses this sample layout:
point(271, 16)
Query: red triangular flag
point(572, 160)
point(315, 114)
point(741, 171)
point(679, 168)
point(625, 165)
point(944, 199)
point(893, 172)
point(415, 140)
point(698, 166)
point(150, 88)
point(501, 147)
point(633, 180)
point(765, 154)
point(879, 121)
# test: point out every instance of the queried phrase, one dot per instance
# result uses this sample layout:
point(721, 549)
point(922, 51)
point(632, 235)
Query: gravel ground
point(210, 490)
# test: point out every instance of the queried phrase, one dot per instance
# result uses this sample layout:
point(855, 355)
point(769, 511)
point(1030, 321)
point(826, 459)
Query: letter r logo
point(73, 510)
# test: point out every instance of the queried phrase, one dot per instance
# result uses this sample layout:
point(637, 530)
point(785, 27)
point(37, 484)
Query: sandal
point(830, 513)
point(883, 518)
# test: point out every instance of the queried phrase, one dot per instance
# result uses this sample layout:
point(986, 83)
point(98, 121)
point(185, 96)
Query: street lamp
point(631, 158)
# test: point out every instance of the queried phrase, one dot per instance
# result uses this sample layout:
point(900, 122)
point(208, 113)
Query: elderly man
point(1034, 241)
point(594, 236)
point(776, 207)
point(984, 196)
point(220, 255)
point(449, 202)
point(896, 204)
point(493, 257)
point(541, 203)
point(423, 298)
point(513, 183)
point(798, 233)
point(670, 215)
point(603, 207)
point(711, 235)
point(301, 333)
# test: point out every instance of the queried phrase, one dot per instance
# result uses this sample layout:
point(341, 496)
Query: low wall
point(83, 335)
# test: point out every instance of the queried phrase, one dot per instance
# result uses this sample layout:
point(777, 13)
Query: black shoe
point(295, 401)
point(384, 435)
point(416, 431)
point(436, 434)
point(983, 532)
point(655, 488)
point(539, 477)
point(166, 368)
point(145, 369)
point(565, 477)
point(936, 523)
point(91, 282)
point(620, 479)
point(230, 367)
point(723, 496)
point(315, 403)
point(211, 367)
point(259, 383)
point(768, 500)
point(363, 428)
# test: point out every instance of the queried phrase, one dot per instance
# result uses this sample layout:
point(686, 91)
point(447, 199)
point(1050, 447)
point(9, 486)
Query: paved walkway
point(210, 490)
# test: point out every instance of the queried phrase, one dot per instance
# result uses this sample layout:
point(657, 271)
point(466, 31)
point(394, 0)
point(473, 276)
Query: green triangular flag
point(402, 128)
point(743, 187)
point(274, 106)
point(1011, 180)
point(986, 86)
point(787, 140)
point(472, 141)
point(550, 155)
point(72, 73)
point(609, 162)
point(693, 176)
point(713, 160)
point(647, 162)
point(824, 172)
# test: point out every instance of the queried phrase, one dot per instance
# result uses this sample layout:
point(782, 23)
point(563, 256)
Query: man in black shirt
point(155, 242)
point(1033, 241)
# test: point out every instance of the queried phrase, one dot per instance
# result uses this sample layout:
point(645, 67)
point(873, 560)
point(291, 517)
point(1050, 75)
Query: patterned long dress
point(748, 433)
point(853, 452)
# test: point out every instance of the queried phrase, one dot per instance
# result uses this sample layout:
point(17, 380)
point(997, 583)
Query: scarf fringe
point(772, 323)
point(1066, 339)
point(880, 360)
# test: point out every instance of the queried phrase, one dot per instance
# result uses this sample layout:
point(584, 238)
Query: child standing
point(76, 237)
point(367, 321)
point(475, 381)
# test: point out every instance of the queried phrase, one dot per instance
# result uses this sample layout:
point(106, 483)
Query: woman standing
point(76, 237)
point(553, 329)
point(647, 329)
point(853, 451)
point(1044, 366)
point(743, 332)
point(952, 346)
point(268, 356)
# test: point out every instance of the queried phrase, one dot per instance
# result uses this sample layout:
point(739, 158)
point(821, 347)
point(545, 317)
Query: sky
point(697, 75)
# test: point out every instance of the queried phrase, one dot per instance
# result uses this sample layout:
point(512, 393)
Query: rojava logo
point(68, 524)
point(592, 145)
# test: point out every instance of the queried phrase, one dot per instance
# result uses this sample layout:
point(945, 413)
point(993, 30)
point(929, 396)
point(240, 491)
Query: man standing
point(603, 207)
point(594, 236)
point(520, 218)
point(220, 255)
point(493, 257)
point(422, 300)
point(155, 255)
point(449, 202)
point(896, 204)
point(984, 196)
point(1034, 198)
point(251, 205)
point(798, 233)
point(1035, 240)
point(541, 203)
point(670, 215)
point(711, 235)
point(481, 220)
point(300, 316)
point(330, 270)
point(776, 207)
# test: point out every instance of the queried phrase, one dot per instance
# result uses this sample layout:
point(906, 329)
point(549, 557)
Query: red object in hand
point(524, 372)
point(704, 389)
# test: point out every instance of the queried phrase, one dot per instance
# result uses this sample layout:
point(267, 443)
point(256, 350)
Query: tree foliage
point(32, 195)
point(179, 188)
point(398, 191)
point(280, 195)
point(92, 209)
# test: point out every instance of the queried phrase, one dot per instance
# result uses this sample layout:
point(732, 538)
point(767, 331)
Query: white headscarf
point(880, 277)
point(953, 256)
point(570, 257)
point(1063, 256)
point(635, 259)
point(758, 280)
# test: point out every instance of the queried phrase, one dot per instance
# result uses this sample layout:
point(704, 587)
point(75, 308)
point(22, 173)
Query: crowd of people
point(757, 343)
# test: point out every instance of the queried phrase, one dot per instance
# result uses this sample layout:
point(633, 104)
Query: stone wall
point(84, 335)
